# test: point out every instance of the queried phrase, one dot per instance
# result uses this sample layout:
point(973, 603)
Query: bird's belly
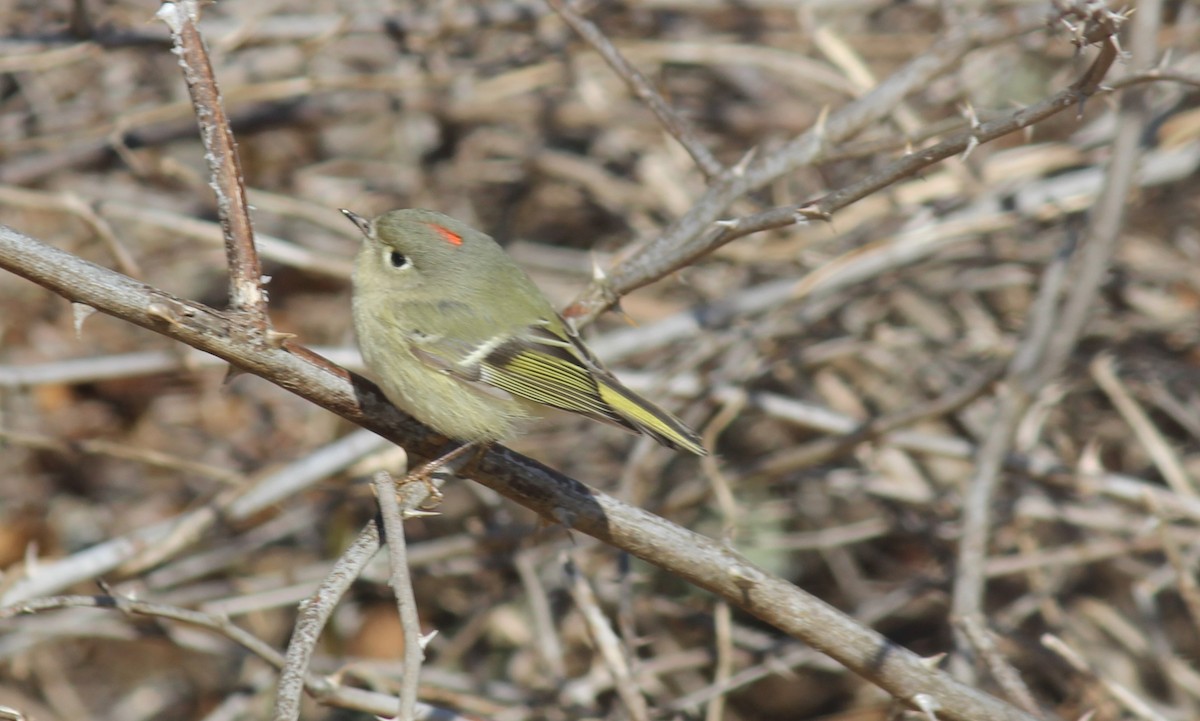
point(447, 405)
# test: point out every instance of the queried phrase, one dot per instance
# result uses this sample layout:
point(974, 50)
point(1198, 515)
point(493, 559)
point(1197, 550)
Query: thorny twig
point(245, 272)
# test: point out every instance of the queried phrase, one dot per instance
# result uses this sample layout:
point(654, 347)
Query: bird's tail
point(642, 415)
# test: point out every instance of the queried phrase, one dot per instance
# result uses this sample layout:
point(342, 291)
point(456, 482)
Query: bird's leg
point(472, 464)
point(425, 472)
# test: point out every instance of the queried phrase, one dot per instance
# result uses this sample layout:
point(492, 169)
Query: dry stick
point(1104, 372)
point(1106, 220)
point(626, 616)
point(138, 363)
point(160, 124)
point(146, 456)
point(314, 613)
point(401, 583)
point(730, 514)
point(157, 543)
point(722, 627)
point(545, 631)
point(87, 212)
point(692, 235)
point(1004, 673)
point(1118, 692)
point(242, 703)
point(1014, 401)
point(1074, 554)
point(726, 231)
point(607, 642)
point(245, 283)
point(1185, 578)
point(555, 497)
point(1041, 197)
point(270, 247)
point(320, 688)
point(262, 492)
point(773, 666)
point(821, 450)
point(283, 588)
point(1127, 489)
point(1104, 228)
point(676, 125)
point(852, 65)
point(94, 368)
point(1043, 582)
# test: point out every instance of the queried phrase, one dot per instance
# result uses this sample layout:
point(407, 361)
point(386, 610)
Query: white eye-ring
point(396, 259)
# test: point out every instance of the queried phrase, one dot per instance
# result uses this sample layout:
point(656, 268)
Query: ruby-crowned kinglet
point(460, 338)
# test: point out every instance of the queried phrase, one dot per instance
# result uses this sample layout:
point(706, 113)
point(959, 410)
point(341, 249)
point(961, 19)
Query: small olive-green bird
point(460, 338)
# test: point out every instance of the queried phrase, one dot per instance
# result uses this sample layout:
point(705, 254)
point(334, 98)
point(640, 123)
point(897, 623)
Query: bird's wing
point(547, 363)
point(544, 362)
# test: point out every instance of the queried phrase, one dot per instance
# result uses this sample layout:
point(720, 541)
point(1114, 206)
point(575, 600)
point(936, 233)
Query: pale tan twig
point(1118, 692)
point(130, 365)
point(730, 513)
point(546, 635)
point(320, 688)
point(1045, 353)
point(614, 655)
point(782, 663)
point(858, 74)
point(718, 482)
point(72, 203)
point(146, 456)
point(821, 450)
point(1042, 199)
point(1183, 567)
point(271, 248)
point(151, 545)
point(1108, 214)
point(1075, 554)
point(1014, 400)
point(1008, 677)
point(1168, 462)
point(676, 125)
point(722, 620)
point(725, 231)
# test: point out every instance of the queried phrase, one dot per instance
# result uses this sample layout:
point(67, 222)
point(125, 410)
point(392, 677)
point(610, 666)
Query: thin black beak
point(363, 224)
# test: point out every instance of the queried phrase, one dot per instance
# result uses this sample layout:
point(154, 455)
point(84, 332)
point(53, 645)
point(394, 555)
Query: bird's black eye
point(397, 259)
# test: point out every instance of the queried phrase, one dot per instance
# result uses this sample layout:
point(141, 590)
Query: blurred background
point(496, 112)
